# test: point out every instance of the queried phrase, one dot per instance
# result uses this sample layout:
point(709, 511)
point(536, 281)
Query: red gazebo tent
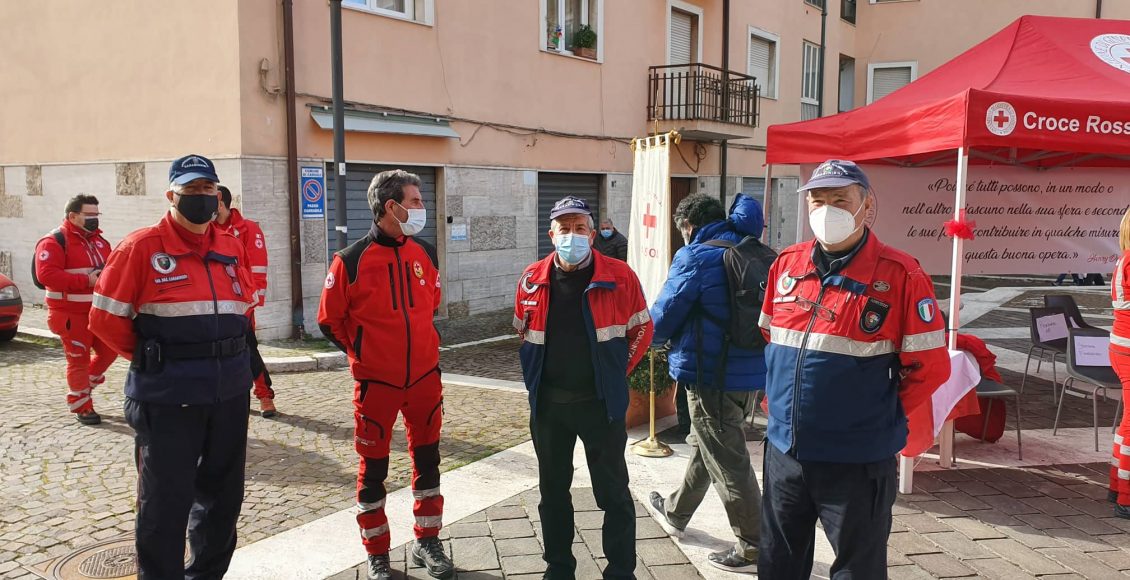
point(1044, 92)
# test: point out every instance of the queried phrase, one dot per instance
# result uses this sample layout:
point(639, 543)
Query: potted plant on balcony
point(639, 387)
point(584, 42)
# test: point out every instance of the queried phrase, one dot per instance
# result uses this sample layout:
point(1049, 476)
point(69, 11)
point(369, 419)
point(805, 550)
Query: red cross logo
point(649, 221)
point(1002, 118)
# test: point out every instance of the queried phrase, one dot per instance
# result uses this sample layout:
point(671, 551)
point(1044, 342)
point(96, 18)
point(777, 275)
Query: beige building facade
point(493, 102)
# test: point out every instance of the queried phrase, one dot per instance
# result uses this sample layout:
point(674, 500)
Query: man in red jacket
point(69, 270)
point(377, 307)
point(174, 300)
point(231, 220)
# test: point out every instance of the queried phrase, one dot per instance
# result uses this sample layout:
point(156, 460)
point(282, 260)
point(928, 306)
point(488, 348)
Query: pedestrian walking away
point(174, 299)
point(251, 235)
point(844, 309)
point(378, 304)
point(1120, 360)
point(693, 312)
point(584, 325)
point(68, 262)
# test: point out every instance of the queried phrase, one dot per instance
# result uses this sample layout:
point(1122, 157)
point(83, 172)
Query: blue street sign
point(312, 188)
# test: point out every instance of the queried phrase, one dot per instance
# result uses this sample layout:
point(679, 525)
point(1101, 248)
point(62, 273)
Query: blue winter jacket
point(697, 280)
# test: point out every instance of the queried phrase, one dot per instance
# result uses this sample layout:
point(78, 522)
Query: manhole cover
point(113, 559)
point(112, 563)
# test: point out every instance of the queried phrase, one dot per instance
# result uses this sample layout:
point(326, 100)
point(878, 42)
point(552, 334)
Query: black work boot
point(88, 417)
point(379, 568)
point(428, 552)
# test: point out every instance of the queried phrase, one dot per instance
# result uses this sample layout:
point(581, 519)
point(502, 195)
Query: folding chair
point(1070, 309)
point(994, 390)
point(1095, 379)
point(1056, 346)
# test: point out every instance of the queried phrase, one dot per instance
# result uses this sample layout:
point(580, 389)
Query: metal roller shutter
point(885, 81)
point(357, 180)
point(682, 36)
point(554, 186)
point(754, 187)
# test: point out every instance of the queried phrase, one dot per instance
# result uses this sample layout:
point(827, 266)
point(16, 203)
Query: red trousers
point(1120, 455)
point(84, 370)
point(376, 406)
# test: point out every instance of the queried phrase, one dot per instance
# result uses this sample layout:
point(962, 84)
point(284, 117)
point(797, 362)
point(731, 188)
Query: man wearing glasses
point(68, 262)
point(856, 342)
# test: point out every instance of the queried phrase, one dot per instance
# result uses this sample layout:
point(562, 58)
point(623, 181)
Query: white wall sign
point(458, 232)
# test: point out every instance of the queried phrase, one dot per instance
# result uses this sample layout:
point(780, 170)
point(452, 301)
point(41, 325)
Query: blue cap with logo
point(192, 167)
point(569, 205)
point(836, 173)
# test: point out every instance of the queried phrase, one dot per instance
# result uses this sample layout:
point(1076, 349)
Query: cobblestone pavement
point(504, 541)
point(494, 360)
point(64, 485)
point(1009, 524)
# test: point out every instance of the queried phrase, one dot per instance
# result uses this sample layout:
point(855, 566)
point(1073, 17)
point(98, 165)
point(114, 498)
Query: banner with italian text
point(649, 233)
point(1027, 221)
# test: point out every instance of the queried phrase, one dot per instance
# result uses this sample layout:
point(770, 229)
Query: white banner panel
point(649, 232)
point(1028, 222)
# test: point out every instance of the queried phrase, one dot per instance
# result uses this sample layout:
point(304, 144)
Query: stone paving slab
point(64, 485)
point(497, 555)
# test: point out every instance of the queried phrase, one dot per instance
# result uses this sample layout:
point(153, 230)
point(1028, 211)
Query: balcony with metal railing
point(703, 102)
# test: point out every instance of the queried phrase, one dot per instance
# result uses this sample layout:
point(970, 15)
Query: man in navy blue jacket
point(720, 393)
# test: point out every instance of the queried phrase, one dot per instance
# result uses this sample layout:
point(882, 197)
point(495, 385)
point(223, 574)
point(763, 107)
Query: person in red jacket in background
point(69, 271)
point(378, 304)
point(248, 231)
point(1119, 492)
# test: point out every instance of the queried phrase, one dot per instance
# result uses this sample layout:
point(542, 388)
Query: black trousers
point(555, 429)
point(190, 464)
point(852, 500)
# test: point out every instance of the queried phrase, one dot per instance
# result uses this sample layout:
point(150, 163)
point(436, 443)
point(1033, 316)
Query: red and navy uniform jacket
point(377, 306)
point(615, 313)
point(834, 387)
point(249, 232)
point(65, 272)
point(1120, 301)
point(175, 304)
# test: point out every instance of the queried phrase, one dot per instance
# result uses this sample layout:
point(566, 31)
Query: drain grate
point(112, 563)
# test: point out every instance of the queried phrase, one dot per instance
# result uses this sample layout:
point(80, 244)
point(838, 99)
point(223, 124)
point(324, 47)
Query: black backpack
point(61, 240)
point(747, 271)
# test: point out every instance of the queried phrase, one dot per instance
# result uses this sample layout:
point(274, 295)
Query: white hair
point(592, 225)
point(176, 187)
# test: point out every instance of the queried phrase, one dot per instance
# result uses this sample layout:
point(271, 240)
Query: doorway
point(681, 187)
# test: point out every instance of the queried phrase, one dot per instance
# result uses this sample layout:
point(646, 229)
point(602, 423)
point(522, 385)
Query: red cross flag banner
point(649, 232)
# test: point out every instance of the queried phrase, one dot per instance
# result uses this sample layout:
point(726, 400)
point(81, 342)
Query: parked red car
point(11, 307)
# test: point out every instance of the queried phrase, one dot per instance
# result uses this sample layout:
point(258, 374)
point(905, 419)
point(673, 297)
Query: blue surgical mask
point(606, 234)
point(571, 248)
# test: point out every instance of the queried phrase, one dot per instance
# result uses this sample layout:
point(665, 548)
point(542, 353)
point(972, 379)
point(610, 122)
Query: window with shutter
point(763, 64)
point(682, 37)
point(810, 82)
point(888, 79)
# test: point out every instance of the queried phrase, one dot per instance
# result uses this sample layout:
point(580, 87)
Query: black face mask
point(91, 224)
point(198, 209)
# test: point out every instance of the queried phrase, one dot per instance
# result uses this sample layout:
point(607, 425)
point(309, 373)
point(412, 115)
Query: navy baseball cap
point(836, 173)
point(192, 167)
point(569, 205)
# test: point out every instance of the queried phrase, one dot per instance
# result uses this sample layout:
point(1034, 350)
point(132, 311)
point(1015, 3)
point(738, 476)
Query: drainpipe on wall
point(1098, 8)
point(297, 318)
point(820, 66)
point(340, 216)
point(725, 149)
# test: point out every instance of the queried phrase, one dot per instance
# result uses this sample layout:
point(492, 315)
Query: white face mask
point(416, 220)
point(833, 225)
